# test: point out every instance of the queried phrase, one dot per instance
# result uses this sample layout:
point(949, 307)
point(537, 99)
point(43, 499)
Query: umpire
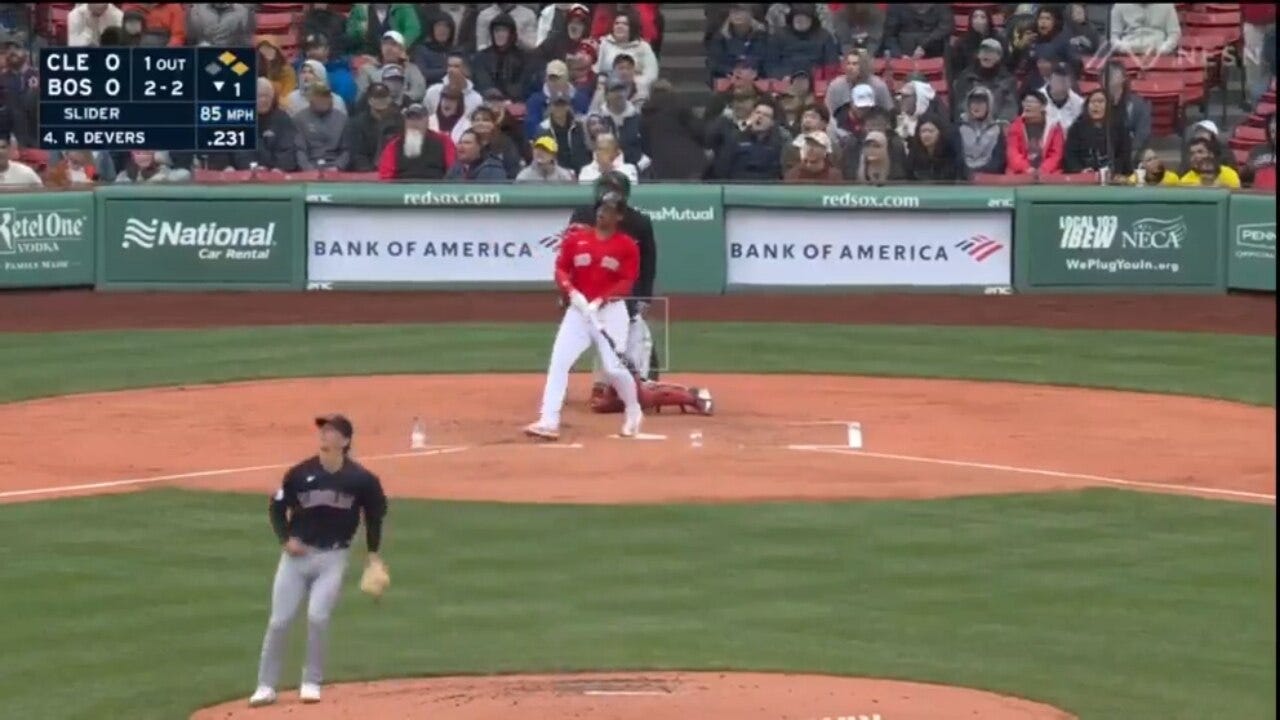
point(640, 346)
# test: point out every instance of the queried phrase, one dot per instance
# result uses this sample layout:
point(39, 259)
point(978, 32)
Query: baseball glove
point(375, 579)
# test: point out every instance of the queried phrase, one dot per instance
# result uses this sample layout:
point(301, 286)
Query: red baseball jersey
point(597, 267)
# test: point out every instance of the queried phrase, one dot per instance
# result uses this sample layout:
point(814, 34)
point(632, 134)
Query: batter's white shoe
point(262, 696)
point(309, 693)
point(631, 427)
point(544, 432)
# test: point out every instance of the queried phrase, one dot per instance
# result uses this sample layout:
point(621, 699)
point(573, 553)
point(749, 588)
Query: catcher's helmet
point(613, 181)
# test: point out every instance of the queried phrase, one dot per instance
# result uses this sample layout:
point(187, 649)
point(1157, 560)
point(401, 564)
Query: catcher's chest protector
point(654, 396)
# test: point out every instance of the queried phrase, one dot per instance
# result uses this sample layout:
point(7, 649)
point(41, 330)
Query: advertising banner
point(202, 239)
point(800, 248)
point(1087, 237)
point(1251, 242)
point(447, 245)
point(46, 239)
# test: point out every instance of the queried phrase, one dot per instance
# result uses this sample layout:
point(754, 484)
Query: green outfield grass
point(1113, 605)
point(1228, 366)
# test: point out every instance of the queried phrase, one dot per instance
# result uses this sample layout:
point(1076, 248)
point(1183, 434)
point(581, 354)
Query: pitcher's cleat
point(542, 432)
point(262, 696)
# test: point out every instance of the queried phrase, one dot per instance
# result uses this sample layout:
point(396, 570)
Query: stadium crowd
point(849, 93)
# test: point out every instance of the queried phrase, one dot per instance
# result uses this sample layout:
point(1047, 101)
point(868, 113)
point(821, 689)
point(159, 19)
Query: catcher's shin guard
point(655, 396)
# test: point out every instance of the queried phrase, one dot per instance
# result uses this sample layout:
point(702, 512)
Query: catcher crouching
point(654, 396)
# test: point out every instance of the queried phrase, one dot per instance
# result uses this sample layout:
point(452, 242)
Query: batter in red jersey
point(595, 269)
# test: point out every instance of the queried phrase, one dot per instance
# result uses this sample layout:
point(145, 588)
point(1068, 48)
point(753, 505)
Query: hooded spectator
point(506, 123)
point(742, 40)
point(464, 17)
point(1052, 41)
point(1098, 140)
point(573, 40)
point(338, 71)
point(457, 77)
point(931, 157)
point(988, 72)
point(1151, 171)
point(814, 166)
point(624, 123)
point(322, 137)
point(274, 67)
point(875, 164)
point(484, 123)
point(432, 55)
point(220, 24)
point(556, 83)
point(754, 153)
point(1033, 143)
point(803, 45)
point(13, 173)
point(368, 24)
point(373, 127)
point(450, 116)
point(671, 135)
point(982, 136)
point(1081, 33)
point(858, 70)
point(162, 20)
point(814, 119)
point(1207, 169)
point(545, 168)
point(1145, 28)
point(503, 64)
point(473, 164)
point(1134, 108)
point(606, 158)
point(393, 53)
point(75, 167)
point(418, 153)
point(1260, 168)
point(1203, 130)
point(918, 30)
point(776, 17)
point(86, 22)
point(859, 26)
point(645, 13)
point(148, 166)
point(915, 100)
point(964, 53)
point(559, 123)
point(313, 73)
point(320, 20)
point(624, 39)
point(1064, 105)
point(526, 25)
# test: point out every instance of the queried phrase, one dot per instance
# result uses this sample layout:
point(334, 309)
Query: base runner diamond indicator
point(213, 68)
point(239, 68)
point(227, 57)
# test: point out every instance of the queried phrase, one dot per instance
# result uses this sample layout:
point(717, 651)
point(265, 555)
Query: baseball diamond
point(767, 570)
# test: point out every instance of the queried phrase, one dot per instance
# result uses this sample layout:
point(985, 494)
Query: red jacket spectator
point(1052, 149)
point(1258, 13)
point(393, 165)
point(602, 23)
point(163, 16)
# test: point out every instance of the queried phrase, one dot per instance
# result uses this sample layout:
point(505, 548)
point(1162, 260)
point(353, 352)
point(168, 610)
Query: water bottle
point(695, 439)
point(418, 435)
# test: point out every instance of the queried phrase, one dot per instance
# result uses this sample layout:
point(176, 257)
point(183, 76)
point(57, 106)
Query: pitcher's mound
point(643, 696)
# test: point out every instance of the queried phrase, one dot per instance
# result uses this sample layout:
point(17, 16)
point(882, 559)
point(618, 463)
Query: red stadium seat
point(219, 176)
point(1165, 96)
point(1241, 156)
point(35, 157)
point(275, 23)
point(350, 177)
point(1088, 86)
point(1226, 24)
point(1265, 108)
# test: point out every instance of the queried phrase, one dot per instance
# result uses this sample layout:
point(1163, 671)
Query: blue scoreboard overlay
point(201, 99)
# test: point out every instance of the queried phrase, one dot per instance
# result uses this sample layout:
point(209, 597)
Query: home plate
point(640, 436)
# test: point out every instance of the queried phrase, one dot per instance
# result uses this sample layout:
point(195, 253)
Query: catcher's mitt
point(375, 579)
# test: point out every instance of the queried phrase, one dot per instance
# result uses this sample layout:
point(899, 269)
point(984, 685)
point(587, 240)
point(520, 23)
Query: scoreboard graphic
point(201, 99)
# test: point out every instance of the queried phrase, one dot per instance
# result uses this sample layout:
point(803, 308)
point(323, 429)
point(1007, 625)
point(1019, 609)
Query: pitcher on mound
point(596, 267)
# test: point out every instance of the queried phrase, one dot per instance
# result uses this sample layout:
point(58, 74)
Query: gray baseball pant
point(320, 573)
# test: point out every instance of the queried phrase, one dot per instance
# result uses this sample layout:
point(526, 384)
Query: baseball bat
point(622, 358)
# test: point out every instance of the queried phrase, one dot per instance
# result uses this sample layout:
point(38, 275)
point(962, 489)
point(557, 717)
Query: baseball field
point(1062, 508)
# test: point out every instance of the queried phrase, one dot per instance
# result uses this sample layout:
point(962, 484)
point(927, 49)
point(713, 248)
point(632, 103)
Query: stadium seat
point(1165, 96)
point(275, 23)
point(1225, 24)
point(219, 176)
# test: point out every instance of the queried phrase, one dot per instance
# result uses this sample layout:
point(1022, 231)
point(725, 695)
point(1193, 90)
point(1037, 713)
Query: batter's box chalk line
point(640, 436)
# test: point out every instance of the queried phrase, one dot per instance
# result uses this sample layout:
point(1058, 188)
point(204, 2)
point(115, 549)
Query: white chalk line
point(443, 450)
point(845, 450)
point(626, 693)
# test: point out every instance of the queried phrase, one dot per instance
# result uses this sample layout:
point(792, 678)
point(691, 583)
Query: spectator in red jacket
point(1260, 169)
point(166, 18)
point(1035, 145)
point(602, 23)
point(418, 154)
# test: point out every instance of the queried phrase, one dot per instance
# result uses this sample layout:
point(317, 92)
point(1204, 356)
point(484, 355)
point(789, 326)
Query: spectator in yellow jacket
point(1207, 170)
point(1151, 171)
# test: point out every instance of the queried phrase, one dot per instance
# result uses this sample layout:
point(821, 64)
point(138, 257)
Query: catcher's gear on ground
point(655, 396)
point(375, 580)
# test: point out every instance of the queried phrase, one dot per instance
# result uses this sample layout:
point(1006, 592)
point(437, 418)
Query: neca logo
point(1100, 232)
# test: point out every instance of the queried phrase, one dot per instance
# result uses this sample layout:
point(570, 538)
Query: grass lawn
point(1113, 605)
point(1107, 603)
